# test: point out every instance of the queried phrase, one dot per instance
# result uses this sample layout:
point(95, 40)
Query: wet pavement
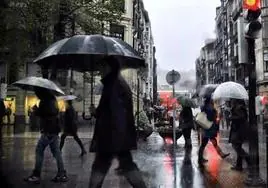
point(154, 157)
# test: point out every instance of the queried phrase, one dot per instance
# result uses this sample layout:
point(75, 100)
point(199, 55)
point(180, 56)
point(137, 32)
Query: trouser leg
point(100, 168)
point(39, 155)
point(55, 150)
point(62, 140)
point(130, 170)
point(203, 145)
point(187, 137)
point(79, 142)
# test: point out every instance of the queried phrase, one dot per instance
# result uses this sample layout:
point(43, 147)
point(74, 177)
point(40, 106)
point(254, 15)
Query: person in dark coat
point(48, 112)
point(2, 115)
point(211, 133)
point(186, 124)
point(70, 127)
point(115, 131)
point(238, 132)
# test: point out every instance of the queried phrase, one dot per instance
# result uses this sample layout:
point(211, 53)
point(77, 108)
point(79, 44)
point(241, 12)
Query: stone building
point(134, 28)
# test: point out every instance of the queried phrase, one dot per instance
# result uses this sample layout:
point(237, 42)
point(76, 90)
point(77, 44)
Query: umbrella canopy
point(67, 97)
point(186, 101)
point(85, 53)
point(230, 90)
point(31, 82)
point(207, 90)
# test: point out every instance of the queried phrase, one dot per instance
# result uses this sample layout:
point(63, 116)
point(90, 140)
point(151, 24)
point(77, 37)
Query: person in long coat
point(186, 124)
point(211, 133)
point(70, 127)
point(2, 114)
point(115, 132)
point(239, 132)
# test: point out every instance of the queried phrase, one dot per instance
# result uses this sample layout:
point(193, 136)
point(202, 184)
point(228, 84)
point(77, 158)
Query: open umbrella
point(67, 97)
point(31, 82)
point(85, 53)
point(186, 101)
point(230, 90)
point(207, 90)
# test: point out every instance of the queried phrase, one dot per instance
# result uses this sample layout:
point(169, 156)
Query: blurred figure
point(9, 113)
point(238, 132)
point(34, 120)
point(187, 124)
point(211, 133)
point(2, 115)
point(48, 112)
point(70, 127)
point(115, 131)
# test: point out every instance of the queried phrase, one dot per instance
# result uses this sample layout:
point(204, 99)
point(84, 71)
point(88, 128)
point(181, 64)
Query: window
point(117, 31)
point(265, 66)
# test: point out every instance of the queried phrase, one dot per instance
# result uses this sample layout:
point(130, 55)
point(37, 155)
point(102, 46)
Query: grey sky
point(180, 28)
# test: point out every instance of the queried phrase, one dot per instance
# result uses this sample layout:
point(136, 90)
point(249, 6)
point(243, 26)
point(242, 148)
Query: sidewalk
point(224, 136)
point(154, 158)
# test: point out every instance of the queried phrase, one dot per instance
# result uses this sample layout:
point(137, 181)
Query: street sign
point(173, 77)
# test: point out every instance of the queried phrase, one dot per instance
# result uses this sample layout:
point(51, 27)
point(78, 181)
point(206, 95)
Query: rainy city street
point(154, 157)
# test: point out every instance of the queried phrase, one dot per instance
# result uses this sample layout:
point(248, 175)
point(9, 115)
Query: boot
point(201, 159)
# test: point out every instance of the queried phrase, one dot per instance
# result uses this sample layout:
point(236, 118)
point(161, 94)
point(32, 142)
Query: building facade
point(205, 64)
point(230, 45)
point(134, 28)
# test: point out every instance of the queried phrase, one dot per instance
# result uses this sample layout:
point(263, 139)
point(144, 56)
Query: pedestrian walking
point(2, 114)
point(9, 113)
point(211, 133)
point(239, 132)
point(115, 131)
point(186, 124)
point(70, 127)
point(48, 112)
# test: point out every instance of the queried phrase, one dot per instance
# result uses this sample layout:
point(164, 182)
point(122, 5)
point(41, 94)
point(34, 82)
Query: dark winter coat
point(211, 116)
point(48, 113)
point(70, 125)
point(239, 126)
point(2, 110)
point(186, 118)
point(115, 129)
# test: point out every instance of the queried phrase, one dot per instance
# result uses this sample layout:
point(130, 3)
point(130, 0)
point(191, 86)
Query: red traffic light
point(252, 4)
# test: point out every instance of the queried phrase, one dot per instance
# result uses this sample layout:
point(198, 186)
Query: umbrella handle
point(84, 91)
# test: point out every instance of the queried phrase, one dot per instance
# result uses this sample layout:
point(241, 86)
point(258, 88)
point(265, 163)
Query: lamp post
point(252, 32)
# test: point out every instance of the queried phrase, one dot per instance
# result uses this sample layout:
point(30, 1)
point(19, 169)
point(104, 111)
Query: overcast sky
point(179, 29)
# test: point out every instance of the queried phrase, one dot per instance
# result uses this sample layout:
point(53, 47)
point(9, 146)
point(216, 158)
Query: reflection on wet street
point(155, 158)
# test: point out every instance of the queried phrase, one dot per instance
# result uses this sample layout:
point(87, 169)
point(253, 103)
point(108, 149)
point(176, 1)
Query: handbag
point(203, 121)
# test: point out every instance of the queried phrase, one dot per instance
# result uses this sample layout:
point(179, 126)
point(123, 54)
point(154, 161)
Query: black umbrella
point(207, 90)
point(85, 53)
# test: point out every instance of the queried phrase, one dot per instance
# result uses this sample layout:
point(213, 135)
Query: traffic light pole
point(254, 175)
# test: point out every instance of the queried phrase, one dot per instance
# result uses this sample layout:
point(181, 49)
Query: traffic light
point(252, 16)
